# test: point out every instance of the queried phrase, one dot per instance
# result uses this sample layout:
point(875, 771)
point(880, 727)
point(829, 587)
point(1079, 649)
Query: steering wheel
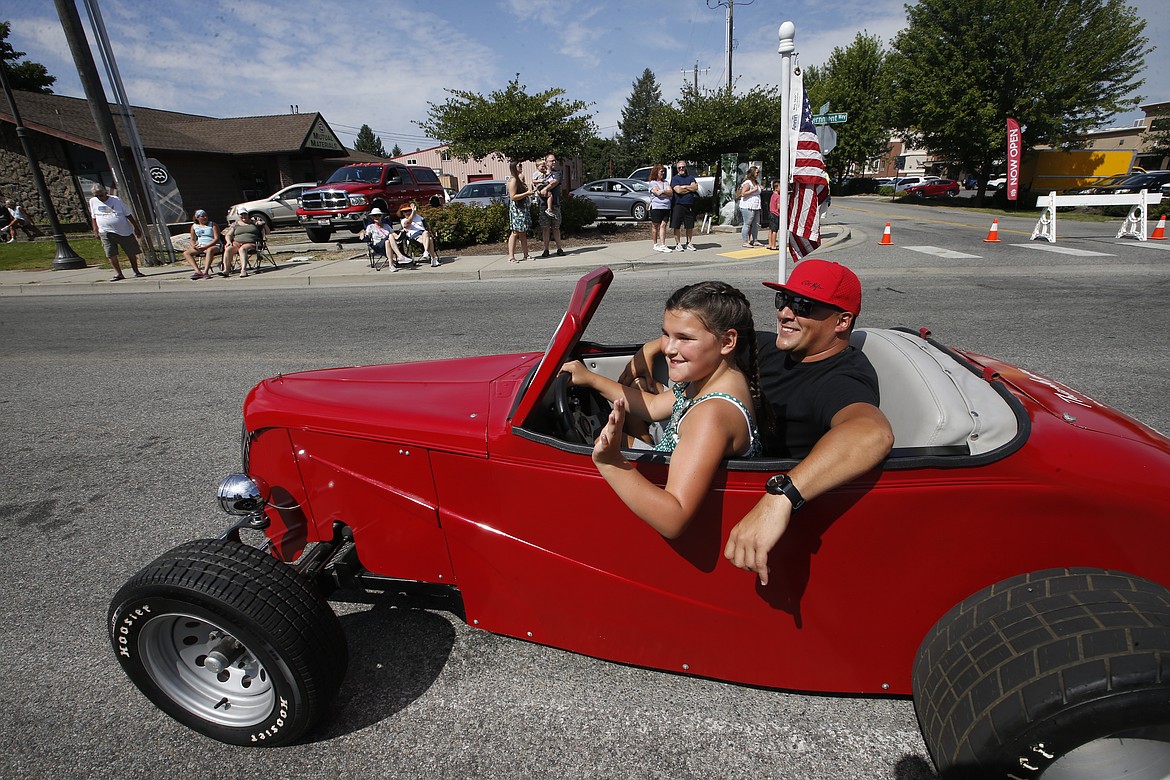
point(563, 410)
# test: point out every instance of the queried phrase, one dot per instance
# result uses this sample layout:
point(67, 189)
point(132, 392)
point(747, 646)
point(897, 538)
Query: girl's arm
point(645, 406)
point(705, 435)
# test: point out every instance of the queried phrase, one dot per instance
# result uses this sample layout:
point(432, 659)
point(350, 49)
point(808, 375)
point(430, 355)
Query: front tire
point(1054, 674)
point(318, 235)
point(229, 642)
point(639, 212)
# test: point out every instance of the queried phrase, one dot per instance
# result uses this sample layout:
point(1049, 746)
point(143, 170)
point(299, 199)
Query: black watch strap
point(781, 485)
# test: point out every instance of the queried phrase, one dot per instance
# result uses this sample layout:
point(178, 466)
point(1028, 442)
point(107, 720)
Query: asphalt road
point(121, 413)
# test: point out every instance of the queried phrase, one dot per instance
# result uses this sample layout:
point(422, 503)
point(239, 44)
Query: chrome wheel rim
point(174, 650)
point(1114, 758)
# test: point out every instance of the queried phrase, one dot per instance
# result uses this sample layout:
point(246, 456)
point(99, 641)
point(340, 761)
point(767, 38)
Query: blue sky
point(380, 65)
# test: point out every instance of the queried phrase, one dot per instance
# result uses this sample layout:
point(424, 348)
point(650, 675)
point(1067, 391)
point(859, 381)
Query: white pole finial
point(787, 47)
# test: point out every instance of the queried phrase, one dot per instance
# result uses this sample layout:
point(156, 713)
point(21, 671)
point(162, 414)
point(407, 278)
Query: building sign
point(1014, 144)
point(321, 137)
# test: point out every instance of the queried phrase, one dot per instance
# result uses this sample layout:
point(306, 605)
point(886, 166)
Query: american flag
point(810, 186)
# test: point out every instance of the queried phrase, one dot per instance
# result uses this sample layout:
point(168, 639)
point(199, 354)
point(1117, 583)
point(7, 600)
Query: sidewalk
point(308, 264)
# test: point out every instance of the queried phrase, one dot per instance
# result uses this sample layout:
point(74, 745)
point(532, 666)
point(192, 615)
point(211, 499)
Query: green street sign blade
point(831, 119)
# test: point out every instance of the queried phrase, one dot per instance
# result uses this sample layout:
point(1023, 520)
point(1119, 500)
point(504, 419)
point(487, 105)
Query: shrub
point(576, 213)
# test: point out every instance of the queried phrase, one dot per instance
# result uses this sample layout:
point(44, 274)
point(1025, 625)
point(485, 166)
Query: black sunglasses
point(801, 307)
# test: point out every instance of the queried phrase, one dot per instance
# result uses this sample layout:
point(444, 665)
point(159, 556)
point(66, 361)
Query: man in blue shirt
point(684, 187)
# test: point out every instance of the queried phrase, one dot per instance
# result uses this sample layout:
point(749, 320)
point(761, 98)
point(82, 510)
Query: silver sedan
point(617, 198)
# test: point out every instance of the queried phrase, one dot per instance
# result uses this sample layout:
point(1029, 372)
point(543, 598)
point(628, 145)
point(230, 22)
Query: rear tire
point(318, 235)
point(1055, 674)
point(639, 212)
point(229, 642)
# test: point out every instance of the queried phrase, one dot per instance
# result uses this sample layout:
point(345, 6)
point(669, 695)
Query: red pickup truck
point(346, 198)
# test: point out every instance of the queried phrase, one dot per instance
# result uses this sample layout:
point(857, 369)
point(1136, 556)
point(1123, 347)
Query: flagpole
point(787, 47)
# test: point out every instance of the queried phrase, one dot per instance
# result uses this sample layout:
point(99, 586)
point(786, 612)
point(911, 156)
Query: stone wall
point(16, 179)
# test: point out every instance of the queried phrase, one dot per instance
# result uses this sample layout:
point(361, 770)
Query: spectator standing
point(519, 217)
point(659, 206)
point(116, 227)
point(749, 207)
point(550, 219)
point(684, 186)
point(774, 217)
point(205, 241)
point(18, 219)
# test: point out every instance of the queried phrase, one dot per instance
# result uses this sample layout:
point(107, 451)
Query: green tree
point(368, 142)
point(601, 156)
point(509, 122)
point(636, 125)
point(854, 80)
point(1059, 67)
point(396, 151)
point(27, 75)
point(706, 124)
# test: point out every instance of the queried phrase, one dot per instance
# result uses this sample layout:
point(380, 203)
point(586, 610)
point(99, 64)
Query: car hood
point(440, 404)
point(346, 186)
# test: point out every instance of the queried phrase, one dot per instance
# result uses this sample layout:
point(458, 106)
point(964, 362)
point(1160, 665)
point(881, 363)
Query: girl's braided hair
point(721, 307)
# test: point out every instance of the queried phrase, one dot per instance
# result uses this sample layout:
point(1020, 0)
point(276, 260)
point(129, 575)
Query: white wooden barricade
point(1134, 225)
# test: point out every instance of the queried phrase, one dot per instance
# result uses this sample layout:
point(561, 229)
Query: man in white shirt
point(116, 227)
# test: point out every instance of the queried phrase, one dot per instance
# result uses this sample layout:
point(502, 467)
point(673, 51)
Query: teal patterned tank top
point(682, 405)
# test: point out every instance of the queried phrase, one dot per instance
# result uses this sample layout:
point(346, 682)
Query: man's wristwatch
point(781, 485)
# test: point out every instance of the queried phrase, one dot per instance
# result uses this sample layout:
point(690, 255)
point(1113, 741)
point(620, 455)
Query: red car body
point(468, 491)
point(935, 188)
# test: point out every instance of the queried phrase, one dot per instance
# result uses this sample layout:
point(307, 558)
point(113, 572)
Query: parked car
point(1092, 188)
point(1007, 565)
point(482, 193)
point(617, 198)
point(860, 185)
point(347, 197)
point(907, 182)
point(934, 188)
point(278, 209)
point(449, 193)
point(1151, 181)
point(997, 181)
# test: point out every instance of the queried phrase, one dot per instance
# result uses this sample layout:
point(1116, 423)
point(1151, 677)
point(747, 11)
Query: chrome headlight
point(238, 494)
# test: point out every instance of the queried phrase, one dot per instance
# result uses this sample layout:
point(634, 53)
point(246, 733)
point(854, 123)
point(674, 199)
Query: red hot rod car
point(1007, 565)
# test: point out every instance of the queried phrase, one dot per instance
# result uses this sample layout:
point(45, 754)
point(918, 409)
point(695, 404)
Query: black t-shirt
point(806, 396)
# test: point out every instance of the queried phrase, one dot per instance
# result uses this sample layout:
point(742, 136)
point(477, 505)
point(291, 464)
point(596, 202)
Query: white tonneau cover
point(929, 399)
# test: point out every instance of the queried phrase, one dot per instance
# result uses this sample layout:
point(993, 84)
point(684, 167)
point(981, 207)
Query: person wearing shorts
point(659, 206)
point(684, 186)
point(116, 227)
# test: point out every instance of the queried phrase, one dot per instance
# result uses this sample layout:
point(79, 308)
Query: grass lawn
point(38, 255)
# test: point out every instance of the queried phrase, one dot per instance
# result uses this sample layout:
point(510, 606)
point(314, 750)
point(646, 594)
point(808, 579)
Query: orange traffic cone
point(886, 239)
point(1160, 231)
point(993, 234)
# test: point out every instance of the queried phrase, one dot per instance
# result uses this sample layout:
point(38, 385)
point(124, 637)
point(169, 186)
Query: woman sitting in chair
point(244, 236)
point(415, 228)
point(205, 241)
point(380, 238)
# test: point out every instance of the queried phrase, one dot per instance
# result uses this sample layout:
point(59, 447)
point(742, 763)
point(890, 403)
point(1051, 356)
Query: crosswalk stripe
point(1065, 250)
point(938, 251)
point(1148, 245)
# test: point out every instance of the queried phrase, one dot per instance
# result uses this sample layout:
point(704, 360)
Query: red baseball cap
point(824, 281)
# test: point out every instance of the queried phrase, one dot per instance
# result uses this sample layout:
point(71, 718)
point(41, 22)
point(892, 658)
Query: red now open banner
point(1014, 145)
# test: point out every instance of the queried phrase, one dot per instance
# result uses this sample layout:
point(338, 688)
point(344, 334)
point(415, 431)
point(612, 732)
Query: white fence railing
point(1134, 225)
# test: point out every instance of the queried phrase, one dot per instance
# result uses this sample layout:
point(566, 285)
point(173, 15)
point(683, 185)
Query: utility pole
point(730, 44)
point(696, 70)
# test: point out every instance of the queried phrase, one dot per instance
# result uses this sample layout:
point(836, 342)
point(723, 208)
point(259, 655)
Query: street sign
point(831, 119)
